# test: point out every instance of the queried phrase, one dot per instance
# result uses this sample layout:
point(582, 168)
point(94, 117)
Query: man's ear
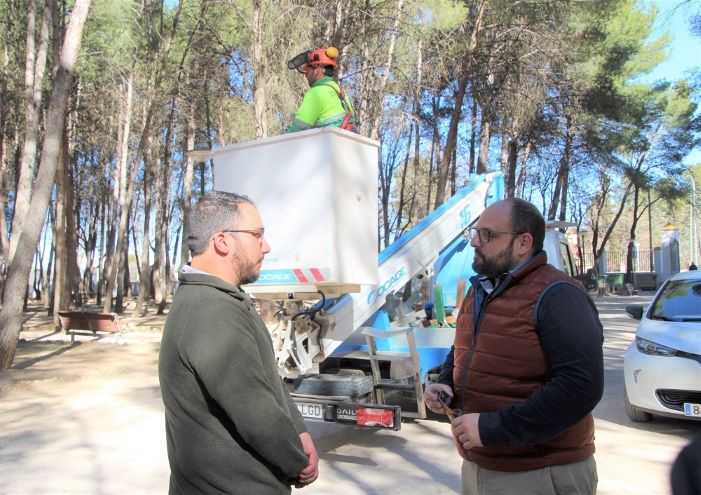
point(221, 243)
point(524, 244)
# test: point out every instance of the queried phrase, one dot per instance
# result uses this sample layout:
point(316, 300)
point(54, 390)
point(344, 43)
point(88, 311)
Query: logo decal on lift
point(465, 217)
point(386, 285)
point(294, 276)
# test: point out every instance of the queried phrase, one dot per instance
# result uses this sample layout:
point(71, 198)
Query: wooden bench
point(85, 322)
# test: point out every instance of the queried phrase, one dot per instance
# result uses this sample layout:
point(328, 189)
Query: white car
point(662, 366)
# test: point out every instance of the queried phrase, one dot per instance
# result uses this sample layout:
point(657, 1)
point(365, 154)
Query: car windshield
point(680, 301)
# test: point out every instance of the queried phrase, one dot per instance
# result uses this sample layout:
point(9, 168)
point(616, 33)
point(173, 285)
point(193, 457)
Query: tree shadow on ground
point(26, 363)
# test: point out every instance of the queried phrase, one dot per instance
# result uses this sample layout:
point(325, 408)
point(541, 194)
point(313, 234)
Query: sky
point(685, 49)
point(685, 52)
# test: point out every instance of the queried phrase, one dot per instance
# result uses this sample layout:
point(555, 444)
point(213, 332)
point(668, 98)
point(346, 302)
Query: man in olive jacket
point(231, 425)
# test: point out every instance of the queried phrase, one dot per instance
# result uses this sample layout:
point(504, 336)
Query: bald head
point(517, 216)
point(526, 218)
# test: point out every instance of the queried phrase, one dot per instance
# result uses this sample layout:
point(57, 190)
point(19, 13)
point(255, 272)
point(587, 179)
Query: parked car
point(662, 366)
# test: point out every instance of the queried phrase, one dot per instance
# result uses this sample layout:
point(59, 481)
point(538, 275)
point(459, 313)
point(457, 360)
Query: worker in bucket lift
point(325, 104)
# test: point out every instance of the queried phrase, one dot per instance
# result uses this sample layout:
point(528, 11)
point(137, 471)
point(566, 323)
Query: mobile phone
point(444, 397)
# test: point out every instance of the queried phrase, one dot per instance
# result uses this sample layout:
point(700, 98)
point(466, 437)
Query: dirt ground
point(87, 419)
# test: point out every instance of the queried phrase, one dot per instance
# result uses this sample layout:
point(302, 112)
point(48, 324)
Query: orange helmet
point(321, 57)
point(324, 57)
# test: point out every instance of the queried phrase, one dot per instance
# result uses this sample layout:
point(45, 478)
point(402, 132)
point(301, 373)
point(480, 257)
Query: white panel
point(317, 194)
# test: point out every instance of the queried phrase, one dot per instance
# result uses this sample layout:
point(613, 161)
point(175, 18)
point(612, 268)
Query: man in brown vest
point(526, 367)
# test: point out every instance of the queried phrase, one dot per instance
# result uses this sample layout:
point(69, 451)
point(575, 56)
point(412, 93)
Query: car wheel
point(633, 413)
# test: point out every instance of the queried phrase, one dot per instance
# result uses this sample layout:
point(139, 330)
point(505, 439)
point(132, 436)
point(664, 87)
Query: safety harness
point(347, 124)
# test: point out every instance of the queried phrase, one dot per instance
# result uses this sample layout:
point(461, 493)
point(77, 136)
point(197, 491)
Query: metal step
point(381, 355)
point(343, 383)
point(412, 358)
point(392, 385)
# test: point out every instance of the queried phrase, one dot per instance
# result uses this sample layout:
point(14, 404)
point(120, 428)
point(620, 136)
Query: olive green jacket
point(231, 425)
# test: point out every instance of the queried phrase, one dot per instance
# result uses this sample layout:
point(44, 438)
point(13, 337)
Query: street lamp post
point(649, 232)
point(693, 234)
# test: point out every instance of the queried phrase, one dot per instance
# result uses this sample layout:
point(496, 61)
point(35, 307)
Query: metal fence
point(616, 262)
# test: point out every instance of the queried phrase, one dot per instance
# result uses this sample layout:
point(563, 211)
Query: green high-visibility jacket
point(322, 107)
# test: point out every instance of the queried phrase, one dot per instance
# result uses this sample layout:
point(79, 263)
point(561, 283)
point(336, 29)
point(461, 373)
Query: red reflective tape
point(300, 276)
point(367, 416)
point(317, 274)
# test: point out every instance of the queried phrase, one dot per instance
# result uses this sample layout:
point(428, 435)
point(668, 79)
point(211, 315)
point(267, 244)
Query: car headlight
point(653, 349)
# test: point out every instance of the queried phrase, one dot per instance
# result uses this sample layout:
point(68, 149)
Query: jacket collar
point(514, 275)
point(322, 81)
point(529, 265)
point(190, 276)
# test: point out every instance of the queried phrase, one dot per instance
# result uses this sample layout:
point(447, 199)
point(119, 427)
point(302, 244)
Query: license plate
point(692, 410)
point(311, 410)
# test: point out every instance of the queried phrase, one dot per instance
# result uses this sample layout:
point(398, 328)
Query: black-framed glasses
point(486, 235)
point(257, 233)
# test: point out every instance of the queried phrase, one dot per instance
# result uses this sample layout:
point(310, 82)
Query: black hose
point(314, 309)
point(311, 312)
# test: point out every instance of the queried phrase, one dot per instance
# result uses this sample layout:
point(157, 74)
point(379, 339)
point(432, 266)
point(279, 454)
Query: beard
point(247, 270)
point(493, 267)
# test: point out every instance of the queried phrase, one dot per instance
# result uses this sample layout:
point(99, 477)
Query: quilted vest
point(507, 365)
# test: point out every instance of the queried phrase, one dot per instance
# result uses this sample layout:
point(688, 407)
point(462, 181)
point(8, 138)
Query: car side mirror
point(635, 311)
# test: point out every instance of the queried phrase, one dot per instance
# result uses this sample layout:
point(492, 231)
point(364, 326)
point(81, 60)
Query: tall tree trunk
point(402, 184)
point(259, 71)
point(504, 156)
point(162, 220)
point(72, 206)
point(208, 135)
point(485, 136)
point(71, 211)
point(451, 139)
point(456, 115)
point(374, 86)
point(335, 24)
point(104, 240)
point(122, 279)
point(61, 284)
point(524, 167)
point(187, 185)
point(417, 124)
point(33, 80)
point(145, 272)
point(145, 133)
point(118, 193)
point(563, 171)
point(511, 162)
point(47, 280)
point(415, 174)
point(631, 234)
point(36, 276)
point(454, 171)
point(90, 246)
point(18, 274)
point(435, 150)
point(473, 136)
point(599, 249)
point(381, 87)
point(4, 244)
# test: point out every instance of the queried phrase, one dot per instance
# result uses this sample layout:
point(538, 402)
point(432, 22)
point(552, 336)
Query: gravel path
point(88, 419)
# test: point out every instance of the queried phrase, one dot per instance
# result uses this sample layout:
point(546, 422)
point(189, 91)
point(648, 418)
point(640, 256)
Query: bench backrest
point(83, 320)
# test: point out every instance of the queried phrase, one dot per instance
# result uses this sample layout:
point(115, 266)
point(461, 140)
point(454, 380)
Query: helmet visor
point(299, 60)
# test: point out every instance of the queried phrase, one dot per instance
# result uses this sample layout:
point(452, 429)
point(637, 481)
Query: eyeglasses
point(257, 233)
point(486, 235)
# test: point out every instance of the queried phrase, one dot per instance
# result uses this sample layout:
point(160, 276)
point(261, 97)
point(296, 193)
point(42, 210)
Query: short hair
point(526, 218)
point(215, 211)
